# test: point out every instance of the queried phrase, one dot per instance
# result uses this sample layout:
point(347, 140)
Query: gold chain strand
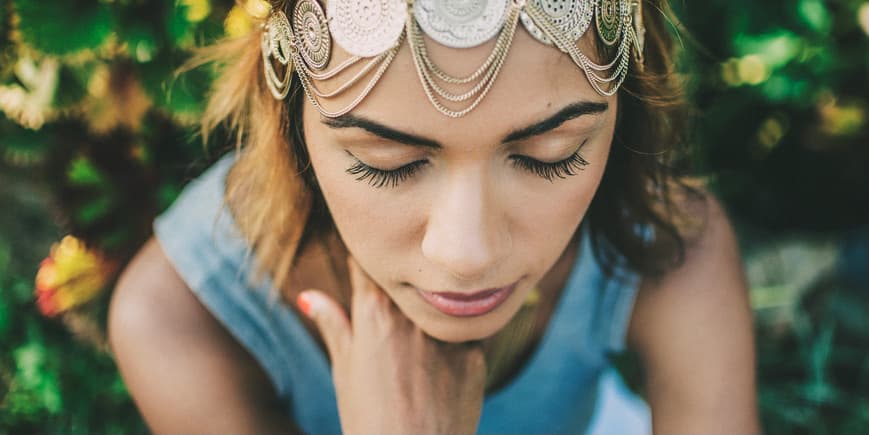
point(589, 67)
point(305, 80)
point(439, 73)
point(346, 85)
point(510, 27)
point(457, 97)
point(326, 75)
point(497, 52)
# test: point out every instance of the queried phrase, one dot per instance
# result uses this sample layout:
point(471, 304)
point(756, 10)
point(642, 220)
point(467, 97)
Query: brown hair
point(637, 218)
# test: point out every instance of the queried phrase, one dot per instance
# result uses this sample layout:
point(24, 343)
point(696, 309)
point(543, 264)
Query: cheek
point(544, 221)
point(374, 225)
point(554, 208)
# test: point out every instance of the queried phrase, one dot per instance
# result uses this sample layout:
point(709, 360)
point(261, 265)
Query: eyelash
point(549, 171)
point(380, 178)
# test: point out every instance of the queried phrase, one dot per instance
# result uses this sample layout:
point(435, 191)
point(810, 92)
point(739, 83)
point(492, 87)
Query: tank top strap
point(598, 306)
point(614, 298)
point(201, 240)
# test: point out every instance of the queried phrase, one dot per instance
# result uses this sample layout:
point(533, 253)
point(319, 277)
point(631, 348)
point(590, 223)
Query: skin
point(468, 220)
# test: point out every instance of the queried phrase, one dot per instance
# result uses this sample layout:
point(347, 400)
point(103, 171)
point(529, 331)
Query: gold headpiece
point(372, 31)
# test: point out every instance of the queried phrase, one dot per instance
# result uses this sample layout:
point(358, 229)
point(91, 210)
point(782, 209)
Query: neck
point(507, 349)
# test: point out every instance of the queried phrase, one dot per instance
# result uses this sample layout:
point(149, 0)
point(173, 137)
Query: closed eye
point(384, 177)
point(552, 170)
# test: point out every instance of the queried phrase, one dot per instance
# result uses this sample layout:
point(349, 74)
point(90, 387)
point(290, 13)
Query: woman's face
point(427, 203)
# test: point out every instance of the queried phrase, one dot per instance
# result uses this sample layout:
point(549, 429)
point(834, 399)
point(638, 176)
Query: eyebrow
point(571, 111)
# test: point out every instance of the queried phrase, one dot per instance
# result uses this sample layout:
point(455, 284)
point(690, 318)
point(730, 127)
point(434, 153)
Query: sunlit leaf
point(140, 33)
point(179, 28)
point(815, 14)
point(775, 49)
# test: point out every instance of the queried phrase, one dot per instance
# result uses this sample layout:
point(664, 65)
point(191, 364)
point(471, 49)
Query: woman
point(471, 206)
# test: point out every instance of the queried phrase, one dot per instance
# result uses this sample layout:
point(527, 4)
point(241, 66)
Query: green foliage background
point(98, 140)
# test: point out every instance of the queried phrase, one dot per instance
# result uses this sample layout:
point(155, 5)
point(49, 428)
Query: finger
point(366, 295)
point(330, 318)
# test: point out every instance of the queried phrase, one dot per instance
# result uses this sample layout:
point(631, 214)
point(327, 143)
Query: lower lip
point(468, 307)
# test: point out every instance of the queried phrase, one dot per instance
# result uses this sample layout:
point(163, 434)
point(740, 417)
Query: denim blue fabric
point(567, 386)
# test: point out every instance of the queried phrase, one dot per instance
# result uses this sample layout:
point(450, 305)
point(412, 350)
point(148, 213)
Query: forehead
point(535, 81)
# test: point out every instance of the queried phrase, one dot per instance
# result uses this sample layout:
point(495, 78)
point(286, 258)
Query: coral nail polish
point(304, 304)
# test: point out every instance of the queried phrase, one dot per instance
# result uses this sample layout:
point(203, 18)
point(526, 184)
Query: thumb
point(330, 318)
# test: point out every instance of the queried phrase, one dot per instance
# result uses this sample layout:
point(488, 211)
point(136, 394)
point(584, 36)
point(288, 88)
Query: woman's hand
point(390, 377)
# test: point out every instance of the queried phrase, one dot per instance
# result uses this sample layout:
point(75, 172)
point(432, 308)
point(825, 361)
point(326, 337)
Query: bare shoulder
point(693, 331)
point(185, 372)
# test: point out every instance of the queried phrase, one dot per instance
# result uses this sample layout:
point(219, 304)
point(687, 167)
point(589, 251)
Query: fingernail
point(303, 301)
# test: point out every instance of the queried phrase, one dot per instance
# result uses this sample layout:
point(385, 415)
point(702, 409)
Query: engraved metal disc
point(312, 30)
point(280, 37)
point(366, 28)
point(278, 86)
point(609, 20)
point(573, 17)
point(460, 23)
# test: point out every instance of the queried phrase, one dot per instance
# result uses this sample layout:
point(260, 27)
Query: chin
point(456, 336)
point(459, 332)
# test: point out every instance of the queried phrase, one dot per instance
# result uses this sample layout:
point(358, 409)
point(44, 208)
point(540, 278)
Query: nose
point(467, 234)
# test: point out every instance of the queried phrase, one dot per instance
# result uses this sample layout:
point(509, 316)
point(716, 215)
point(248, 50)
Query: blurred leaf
point(143, 44)
point(94, 209)
point(83, 173)
point(195, 10)
point(141, 30)
point(850, 310)
point(166, 194)
point(114, 240)
point(815, 14)
point(179, 28)
point(5, 302)
point(5, 315)
point(776, 49)
point(182, 96)
point(21, 290)
point(3, 18)
point(34, 377)
point(73, 87)
point(20, 146)
point(63, 26)
point(5, 256)
point(818, 389)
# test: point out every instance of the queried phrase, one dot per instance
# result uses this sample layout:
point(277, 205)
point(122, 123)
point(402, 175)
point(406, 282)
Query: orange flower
point(70, 276)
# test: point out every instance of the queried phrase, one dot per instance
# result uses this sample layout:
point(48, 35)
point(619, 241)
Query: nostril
point(467, 258)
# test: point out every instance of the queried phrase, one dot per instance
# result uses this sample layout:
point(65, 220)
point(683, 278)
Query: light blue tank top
point(566, 386)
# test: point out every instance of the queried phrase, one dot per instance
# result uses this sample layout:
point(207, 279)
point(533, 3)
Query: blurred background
point(96, 139)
